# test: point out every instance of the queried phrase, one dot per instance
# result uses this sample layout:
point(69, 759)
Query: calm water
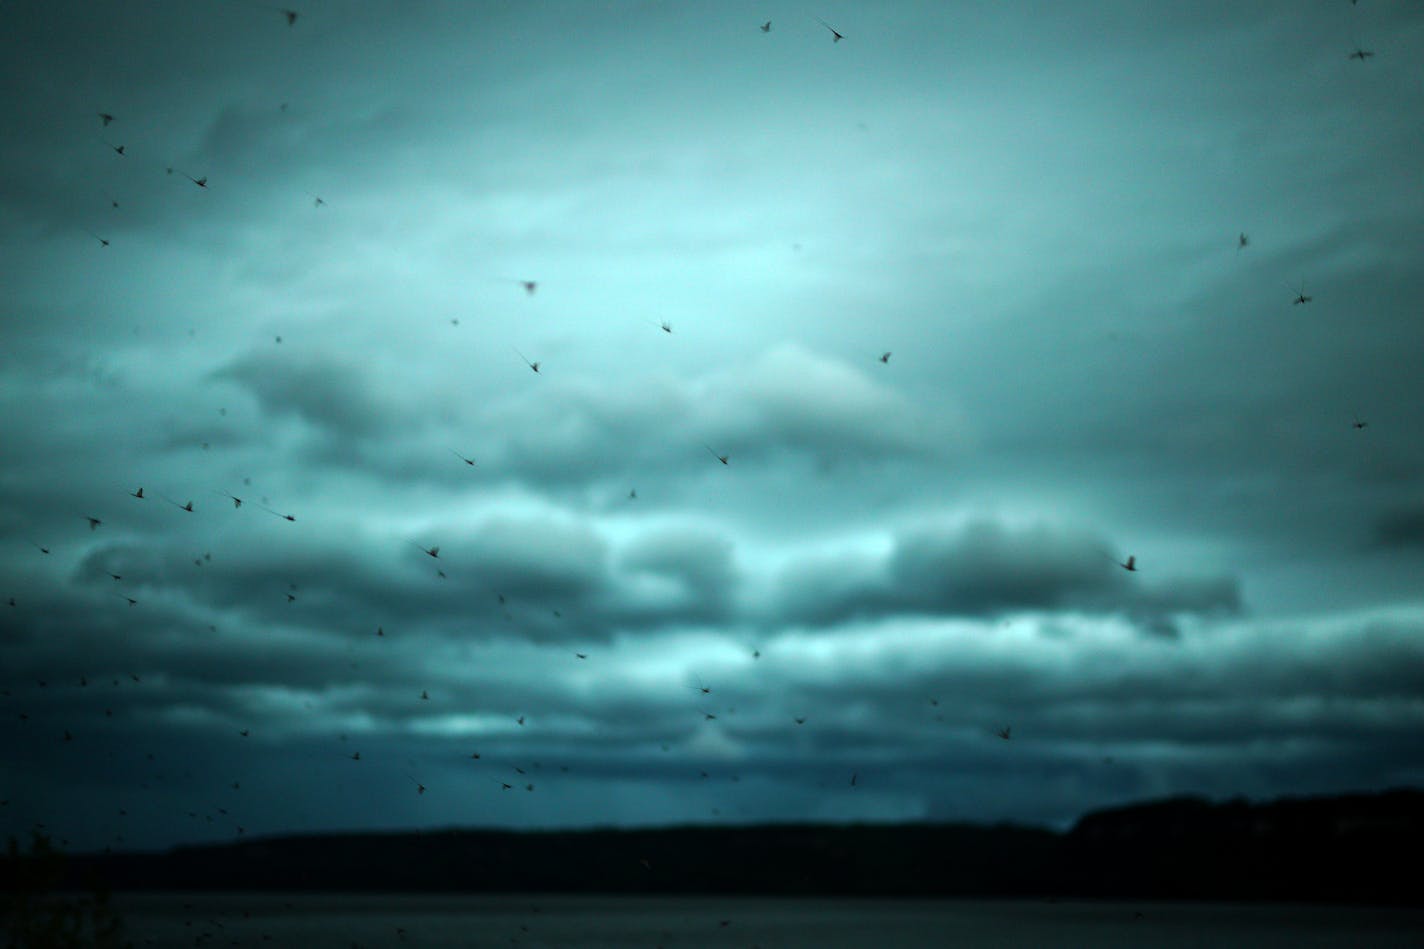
point(320, 921)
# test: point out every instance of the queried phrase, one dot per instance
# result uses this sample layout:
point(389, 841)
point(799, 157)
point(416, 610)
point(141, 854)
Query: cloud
point(790, 399)
point(570, 429)
point(985, 565)
point(537, 576)
point(686, 573)
point(981, 567)
point(1402, 527)
point(536, 558)
point(336, 399)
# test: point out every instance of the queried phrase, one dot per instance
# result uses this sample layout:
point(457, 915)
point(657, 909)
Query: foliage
point(36, 914)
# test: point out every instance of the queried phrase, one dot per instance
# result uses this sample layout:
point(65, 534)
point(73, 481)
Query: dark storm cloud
point(1080, 716)
point(690, 569)
point(329, 396)
point(544, 558)
point(347, 590)
point(1401, 527)
point(984, 567)
point(504, 577)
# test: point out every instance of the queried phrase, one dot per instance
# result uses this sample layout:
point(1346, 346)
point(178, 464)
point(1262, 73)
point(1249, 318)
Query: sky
point(849, 376)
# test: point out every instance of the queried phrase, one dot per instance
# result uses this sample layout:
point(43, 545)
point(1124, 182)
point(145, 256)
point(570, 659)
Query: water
point(370, 921)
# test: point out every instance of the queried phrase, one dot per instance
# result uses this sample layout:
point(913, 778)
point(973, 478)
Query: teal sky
point(1035, 209)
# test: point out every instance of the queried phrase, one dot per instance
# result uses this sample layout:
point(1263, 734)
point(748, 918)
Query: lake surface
point(341, 921)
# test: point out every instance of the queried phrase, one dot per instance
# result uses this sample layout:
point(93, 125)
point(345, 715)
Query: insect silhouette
point(131, 600)
point(835, 36)
point(118, 149)
point(137, 494)
point(665, 326)
point(468, 461)
point(424, 696)
point(853, 776)
point(885, 358)
point(236, 501)
point(96, 236)
point(289, 15)
point(1301, 297)
point(116, 576)
point(285, 517)
point(200, 182)
point(1361, 54)
point(1358, 424)
point(105, 118)
point(94, 522)
point(632, 494)
point(721, 458)
point(1005, 733)
point(1130, 564)
point(433, 552)
point(520, 719)
point(766, 27)
point(531, 365)
point(529, 286)
point(245, 732)
point(799, 721)
point(708, 716)
point(186, 507)
point(581, 655)
point(1242, 240)
point(419, 788)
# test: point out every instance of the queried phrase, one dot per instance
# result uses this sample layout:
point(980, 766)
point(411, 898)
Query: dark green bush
point(37, 914)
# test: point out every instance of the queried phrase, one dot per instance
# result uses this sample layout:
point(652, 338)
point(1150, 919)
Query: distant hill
point(1310, 849)
point(1345, 849)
